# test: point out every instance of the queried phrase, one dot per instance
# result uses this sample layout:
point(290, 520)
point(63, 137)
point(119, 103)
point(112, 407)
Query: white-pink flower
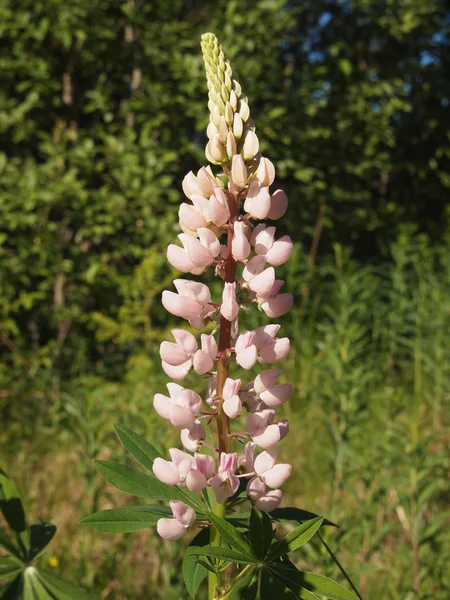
point(270, 349)
point(270, 393)
point(276, 252)
point(272, 303)
point(193, 437)
point(240, 245)
point(260, 498)
point(180, 408)
point(258, 202)
point(174, 529)
point(265, 433)
point(191, 303)
point(229, 307)
point(175, 471)
point(245, 349)
point(225, 483)
point(232, 404)
point(273, 475)
point(196, 254)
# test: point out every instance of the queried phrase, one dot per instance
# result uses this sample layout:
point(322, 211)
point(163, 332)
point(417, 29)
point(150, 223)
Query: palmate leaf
point(260, 532)
point(300, 582)
point(137, 446)
point(14, 591)
point(194, 572)
point(246, 588)
point(10, 546)
point(41, 535)
point(296, 538)
point(126, 519)
point(9, 567)
point(290, 514)
point(223, 553)
point(61, 590)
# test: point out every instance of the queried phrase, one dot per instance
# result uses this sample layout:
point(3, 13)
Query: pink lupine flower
point(192, 438)
point(203, 360)
point(264, 431)
point(238, 172)
point(191, 218)
point(257, 203)
point(218, 208)
point(246, 459)
point(175, 471)
point(265, 173)
point(262, 500)
point(203, 184)
point(269, 348)
point(177, 358)
point(273, 304)
point(203, 468)
point(271, 474)
point(229, 308)
point(278, 205)
point(272, 395)
point(240, 246)
point(251, 145)
point(173, 529)
point(263, 283)
point(180, 408)
point(232, 404)
point(225, 483)
point(276, 252)
point(191, 303)
point(246, 351)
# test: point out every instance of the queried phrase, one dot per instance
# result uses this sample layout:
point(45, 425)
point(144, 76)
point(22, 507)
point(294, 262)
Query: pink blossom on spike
point(263, 283)
point(246, 458)
point(280, 252)
point(262, 500)
point(173, 529)
point(271, 474)
point(265, 172)
point(225, 483)
point(180, 408)
point(218, 208)
point(246, 351)
point(278, 206)
point(273, 304)
point(191, 303)
point(192, 438)
point(238, 172)
point(229, 308)
point(232, 404)
point(204, 358)
point(240, 246)
point(272, 434)
point(190, 219)
point(254, 267)
point(257, 203)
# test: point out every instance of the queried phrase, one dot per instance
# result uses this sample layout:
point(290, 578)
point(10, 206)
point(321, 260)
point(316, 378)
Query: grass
point(369, 437)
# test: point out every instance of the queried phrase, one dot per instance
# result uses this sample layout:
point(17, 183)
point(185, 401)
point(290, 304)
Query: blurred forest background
point(103, 110)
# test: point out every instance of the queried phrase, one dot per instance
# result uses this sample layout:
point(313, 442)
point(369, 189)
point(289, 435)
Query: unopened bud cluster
point(222, 229)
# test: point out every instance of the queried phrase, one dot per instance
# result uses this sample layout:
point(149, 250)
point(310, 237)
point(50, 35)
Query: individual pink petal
point(181, 417)
point(232, 406)
point(205, 464)
point(269, 437)
point(265, 172)
point(265, 461)
point(229, 308)
point(190, 219)
point(189, 399)
point(255, 488)
point(266, 380)
point(276, 351)
point(240, 246)
point(264, 335)
point(172, 354)
point(179, 259)
point(178, 372)
point(277, 475)
point(247, 358)
point(201, 205)
point(263, 283)
point(202, 362)
point(193, 437)
point(264, 241)
point(269, 501)
point(231, 387)
point(209, 345)
point(278, 306)
point(194, 290)
point(166, 471)
point(245, 340)
point(195, 481)
point(254, 267)
point(224, 486)
point(256, 231)
point(185, 340)
point(277, 394)
point(228, 462)
point(190, 185)
point(183, 513)
point(170, 529)
point(251, 145)
point(238, 172)
point(258, 421)
point(180, 306)
point(219, 212)
point(206, 181)
point(199, 255)
point(258, 202)
point(162, 405)
point(280, 252)
point(209, 240)
point(278, 205)
point(246, 458)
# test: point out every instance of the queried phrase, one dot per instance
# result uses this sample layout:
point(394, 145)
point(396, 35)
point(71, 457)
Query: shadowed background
point(103, 109)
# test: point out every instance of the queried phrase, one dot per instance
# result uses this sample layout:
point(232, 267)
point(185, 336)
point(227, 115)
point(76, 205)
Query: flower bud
point(238, 172)
point(244, 111)
point(216, 150)
point(231, 144)
point(238, 126)
point(251, 145)
point(240, 246)
point(228, 114)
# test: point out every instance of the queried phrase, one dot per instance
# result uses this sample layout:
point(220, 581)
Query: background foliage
point(102, 112)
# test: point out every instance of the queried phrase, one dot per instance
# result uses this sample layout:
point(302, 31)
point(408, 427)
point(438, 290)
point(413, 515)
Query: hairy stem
point(223, 371)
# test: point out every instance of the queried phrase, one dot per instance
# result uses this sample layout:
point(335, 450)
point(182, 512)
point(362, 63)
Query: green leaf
point(40, 536)
point(246, 589)
point(291, 514)
point(12, 508)
point(62, 590)
point(193, 572)
point(296, 538)
point(9, 545)
point(137, 446)
point(297, 581)
point(274, 588)
point(231, 535)
point(261, 532)
point(143, 485)
point(224, 553)
point(126, 519)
